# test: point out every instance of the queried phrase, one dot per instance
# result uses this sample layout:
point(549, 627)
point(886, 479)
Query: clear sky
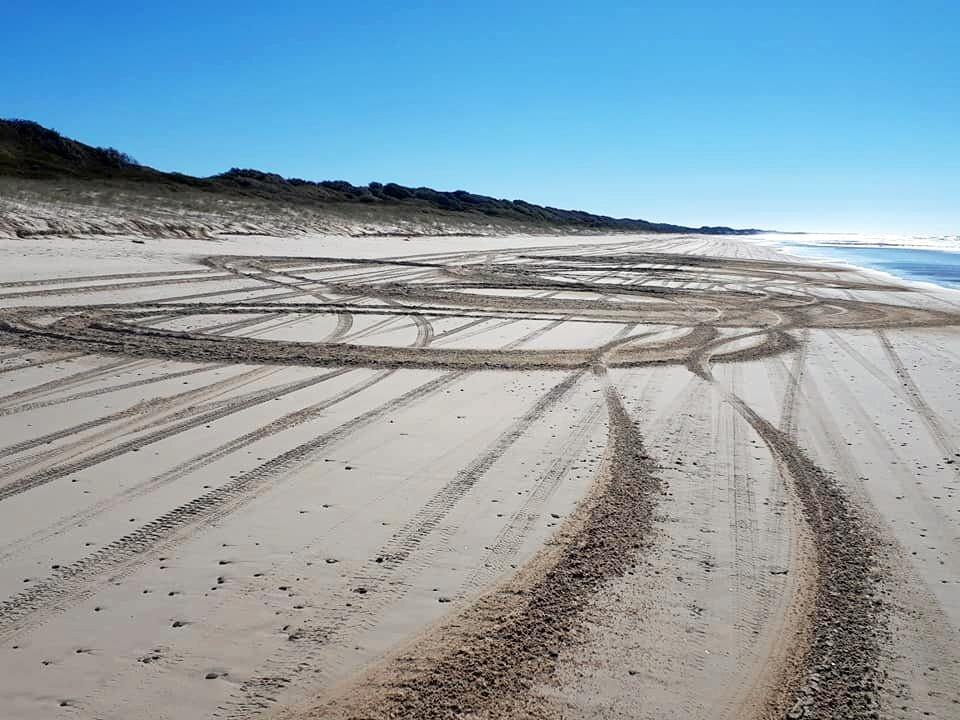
point(792, 115)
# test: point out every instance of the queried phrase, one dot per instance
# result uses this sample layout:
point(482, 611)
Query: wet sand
point(645, 477)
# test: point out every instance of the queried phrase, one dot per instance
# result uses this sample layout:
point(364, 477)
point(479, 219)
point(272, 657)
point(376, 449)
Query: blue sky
point(815, 115)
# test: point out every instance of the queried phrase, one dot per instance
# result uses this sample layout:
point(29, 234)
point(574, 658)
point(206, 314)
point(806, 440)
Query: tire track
point(486, 661)
point(139, 417)
point(13, 355)
point(62, 357)
point(344, 323)
point(288, 421)
point(77, 378)
point(54, 385)
point(198, 462)
point(788, 414)
point(216, 329)
point(928, 415)
point(140, 408)
point(400, 547)
point(83, 289)
point(867, 364)
point(771, 623)
point(750, 612)
point(115, 276)
point(15, 409)
point(521, 522)
point(840, 674)
point(780, 495)
point(78, 580)
point(372, 329)
point(380, 585)
point(230, 407)
point(940, 525)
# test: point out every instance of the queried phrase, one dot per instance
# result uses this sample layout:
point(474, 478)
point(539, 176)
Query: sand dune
point(629, 476)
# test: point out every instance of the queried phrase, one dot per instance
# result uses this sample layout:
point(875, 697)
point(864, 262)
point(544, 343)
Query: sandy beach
point(665, 476)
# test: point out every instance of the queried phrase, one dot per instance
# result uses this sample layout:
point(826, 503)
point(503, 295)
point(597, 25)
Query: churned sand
point(524, 476)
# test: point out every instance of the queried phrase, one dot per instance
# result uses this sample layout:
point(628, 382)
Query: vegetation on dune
point(29, 151)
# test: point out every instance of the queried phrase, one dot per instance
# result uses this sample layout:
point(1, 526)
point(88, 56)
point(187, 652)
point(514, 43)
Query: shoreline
point(888, 275)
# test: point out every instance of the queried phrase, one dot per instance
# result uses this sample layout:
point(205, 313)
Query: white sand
point(426, 501)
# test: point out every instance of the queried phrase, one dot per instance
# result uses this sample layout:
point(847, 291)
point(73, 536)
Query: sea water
point(933, 266)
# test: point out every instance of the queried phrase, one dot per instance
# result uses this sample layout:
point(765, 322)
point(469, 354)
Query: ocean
point(932, 266)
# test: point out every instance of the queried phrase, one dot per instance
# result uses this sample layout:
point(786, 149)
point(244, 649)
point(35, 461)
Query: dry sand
point(639, 477)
